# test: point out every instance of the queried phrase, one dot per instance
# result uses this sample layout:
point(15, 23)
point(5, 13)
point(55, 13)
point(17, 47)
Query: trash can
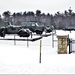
point(62, 44)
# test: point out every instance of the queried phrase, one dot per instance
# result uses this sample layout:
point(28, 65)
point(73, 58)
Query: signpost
point(40, 50)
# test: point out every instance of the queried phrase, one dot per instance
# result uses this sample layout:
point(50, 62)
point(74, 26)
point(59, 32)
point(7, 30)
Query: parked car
point(13, 29)
point(33, 26)
point(48, 28)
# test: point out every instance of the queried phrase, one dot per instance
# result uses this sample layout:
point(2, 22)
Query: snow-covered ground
point(20, 59)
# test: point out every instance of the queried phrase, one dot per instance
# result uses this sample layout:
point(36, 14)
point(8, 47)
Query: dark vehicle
point(33, 26)
point(69, 29)
point(22, 30)
point(12, 29)
point(48, 28)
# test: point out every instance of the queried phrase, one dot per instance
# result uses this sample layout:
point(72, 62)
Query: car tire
point(3, 33)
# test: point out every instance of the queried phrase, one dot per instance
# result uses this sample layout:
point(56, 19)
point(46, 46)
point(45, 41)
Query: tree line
point(59, 20)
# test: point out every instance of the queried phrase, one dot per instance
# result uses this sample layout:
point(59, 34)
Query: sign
point(62, 44)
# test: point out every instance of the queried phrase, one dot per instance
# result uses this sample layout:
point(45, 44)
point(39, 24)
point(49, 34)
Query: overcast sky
point(51, 6)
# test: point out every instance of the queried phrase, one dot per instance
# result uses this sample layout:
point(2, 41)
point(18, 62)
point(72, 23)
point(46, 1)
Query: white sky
point(51, 6)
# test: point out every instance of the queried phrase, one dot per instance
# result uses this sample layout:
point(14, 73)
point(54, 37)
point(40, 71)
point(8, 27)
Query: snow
point(20, 59)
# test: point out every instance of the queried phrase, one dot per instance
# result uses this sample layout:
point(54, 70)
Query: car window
point(33, 24)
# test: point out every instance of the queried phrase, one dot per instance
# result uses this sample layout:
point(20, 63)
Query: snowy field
point(20, 59)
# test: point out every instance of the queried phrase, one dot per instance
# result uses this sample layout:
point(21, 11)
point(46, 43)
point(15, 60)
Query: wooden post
point(40, 50)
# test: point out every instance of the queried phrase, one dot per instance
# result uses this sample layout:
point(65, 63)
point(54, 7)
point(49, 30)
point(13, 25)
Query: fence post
point(69, 46)
point(52, 40)
point(31, 34)
point(40, 50)
point(14, 40)
point(27, 42)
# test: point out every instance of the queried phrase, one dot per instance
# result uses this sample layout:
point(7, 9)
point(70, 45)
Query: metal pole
point(31, 34)
point(69, 46)
point(27, 42)
point(52, 40)
point(55, 31)
point(40, 50)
